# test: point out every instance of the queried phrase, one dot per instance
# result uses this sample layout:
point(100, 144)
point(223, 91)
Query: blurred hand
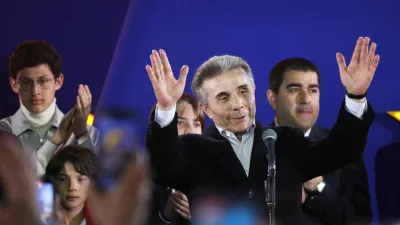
point(128, 203)
point(18, 179)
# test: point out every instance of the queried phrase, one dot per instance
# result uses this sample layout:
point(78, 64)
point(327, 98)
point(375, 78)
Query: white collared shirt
point(242, 148)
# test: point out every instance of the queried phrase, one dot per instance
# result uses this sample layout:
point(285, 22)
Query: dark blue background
point(98, 38)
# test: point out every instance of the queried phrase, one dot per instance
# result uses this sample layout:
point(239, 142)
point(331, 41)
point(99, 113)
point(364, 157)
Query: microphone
point(269, 138)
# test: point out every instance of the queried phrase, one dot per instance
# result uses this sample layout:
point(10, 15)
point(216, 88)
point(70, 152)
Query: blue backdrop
point(262, 32)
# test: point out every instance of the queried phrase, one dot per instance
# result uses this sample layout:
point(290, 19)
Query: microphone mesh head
point(269, 133)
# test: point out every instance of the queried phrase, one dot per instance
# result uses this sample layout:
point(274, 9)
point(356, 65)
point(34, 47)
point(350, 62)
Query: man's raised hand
point(166, 88)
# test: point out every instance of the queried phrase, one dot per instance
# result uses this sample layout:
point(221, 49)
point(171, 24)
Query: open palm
point(128, 202)
point(166, 88)
point(357, 77)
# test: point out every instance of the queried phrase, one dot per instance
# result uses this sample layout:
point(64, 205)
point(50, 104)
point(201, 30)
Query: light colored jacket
point(41, 148)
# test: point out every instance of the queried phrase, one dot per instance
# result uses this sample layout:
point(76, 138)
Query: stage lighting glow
point(90, 119)
point(395, 115)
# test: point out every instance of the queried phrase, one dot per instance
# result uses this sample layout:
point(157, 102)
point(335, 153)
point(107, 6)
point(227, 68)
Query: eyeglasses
point(27, 84)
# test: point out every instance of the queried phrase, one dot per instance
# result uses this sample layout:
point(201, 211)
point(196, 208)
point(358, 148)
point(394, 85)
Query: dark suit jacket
point(387, 183)
point(345, 198)
point(160, 197)
point(207, 165)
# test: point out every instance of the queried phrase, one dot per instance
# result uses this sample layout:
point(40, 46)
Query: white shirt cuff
point(164, 118)
point(355, 108)
point(40, 170)
point(43, 156)
point(47, 150)
point(83, 138)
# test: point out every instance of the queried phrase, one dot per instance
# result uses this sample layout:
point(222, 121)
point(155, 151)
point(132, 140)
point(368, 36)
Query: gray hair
point(214, 67)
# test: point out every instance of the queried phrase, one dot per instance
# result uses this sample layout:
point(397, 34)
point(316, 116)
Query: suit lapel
point(258, 160)
point(224, 155)
point(318, 133)
point(314, 133)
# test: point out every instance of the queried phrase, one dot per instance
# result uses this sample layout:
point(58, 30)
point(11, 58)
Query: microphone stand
point(270, 191)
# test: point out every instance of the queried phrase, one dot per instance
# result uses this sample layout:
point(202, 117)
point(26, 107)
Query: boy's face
point(36, 87)
point(72, 187)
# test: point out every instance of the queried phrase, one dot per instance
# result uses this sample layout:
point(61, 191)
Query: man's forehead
point(32, 77)
point(301, 77)
point(35, 72)
point(227, 81)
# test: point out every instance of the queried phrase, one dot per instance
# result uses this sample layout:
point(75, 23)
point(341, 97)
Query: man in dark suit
point(337, 198)
point(229, 160)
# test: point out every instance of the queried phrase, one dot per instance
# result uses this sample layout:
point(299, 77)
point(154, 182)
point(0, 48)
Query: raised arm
point(162, 136)
point(347, 139)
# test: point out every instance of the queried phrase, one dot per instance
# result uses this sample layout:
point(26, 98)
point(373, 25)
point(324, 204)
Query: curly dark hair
point(83, 160)
point(34, 53)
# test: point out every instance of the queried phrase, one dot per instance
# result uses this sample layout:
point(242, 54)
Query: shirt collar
point(250, 129)
point(19, 122)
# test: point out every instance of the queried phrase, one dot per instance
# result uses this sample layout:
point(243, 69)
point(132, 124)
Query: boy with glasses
point(35, 68)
